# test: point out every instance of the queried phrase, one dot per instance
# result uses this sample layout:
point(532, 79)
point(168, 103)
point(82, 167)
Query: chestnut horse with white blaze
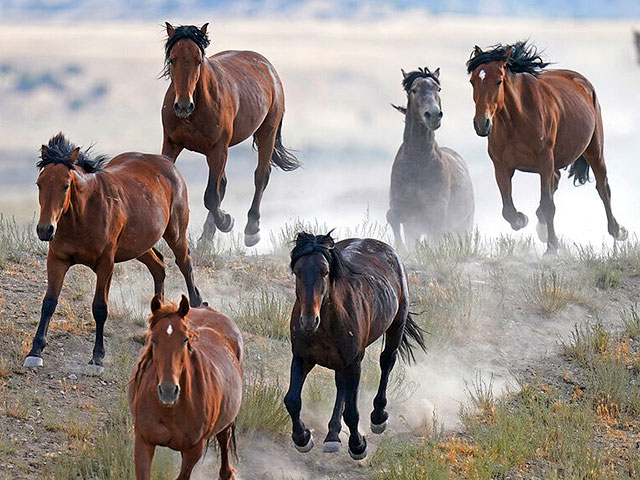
point(538, 121)
point(96, 214)
point(216, 102)
point(187, 386)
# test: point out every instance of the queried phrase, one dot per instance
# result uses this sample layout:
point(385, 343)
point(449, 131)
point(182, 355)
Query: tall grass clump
point(16, 240)
point(586, 342)
point(508, 246)
point(550, 291)
point(262, 409)
point(267, 315)
point(631, 322)
point(282, 241)
point(442, 257)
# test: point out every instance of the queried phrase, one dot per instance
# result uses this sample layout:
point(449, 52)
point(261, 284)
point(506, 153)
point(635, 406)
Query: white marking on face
point(169, 330)
point(482, 74)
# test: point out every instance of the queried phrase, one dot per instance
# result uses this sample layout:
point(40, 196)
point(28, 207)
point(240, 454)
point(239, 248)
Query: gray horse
point(431, 191)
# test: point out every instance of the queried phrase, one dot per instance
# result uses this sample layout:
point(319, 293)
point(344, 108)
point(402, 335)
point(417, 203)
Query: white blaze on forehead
point(482, 74)
point(169, 330)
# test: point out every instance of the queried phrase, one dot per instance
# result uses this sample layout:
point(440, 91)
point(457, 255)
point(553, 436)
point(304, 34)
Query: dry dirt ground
point(485, 312)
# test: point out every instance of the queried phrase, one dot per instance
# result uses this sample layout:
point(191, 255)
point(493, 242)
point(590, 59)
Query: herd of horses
point(187, 384)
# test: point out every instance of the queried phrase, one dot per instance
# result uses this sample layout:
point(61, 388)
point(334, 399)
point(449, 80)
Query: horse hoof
point(227, 225)
point(307, 448)
point(251, 240)
point(622, 235)
point(378, 429)
point(358, 456)
point(93, 370)
point(543, 233)
point(32, 361)
point(331, 447)
point(521, 221)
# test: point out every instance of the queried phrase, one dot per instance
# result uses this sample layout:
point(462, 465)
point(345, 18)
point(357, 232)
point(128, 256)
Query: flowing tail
point(579, 171)
point(412, 332)
point(282, 157)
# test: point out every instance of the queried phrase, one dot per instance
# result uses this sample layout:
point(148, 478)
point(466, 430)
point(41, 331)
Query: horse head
point(170, 346)
point(184, 54)
point(423, 95)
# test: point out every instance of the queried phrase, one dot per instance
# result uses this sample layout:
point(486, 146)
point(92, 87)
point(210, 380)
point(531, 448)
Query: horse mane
point(190, 32)
point(58, 151)
point(410, 77)
point(307, 243)
point(522, 58)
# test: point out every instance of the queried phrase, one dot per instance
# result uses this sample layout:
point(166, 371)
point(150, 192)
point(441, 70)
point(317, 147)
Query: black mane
point(191, 32)
point(59, 149)
point(307, 243)
point(410, 77)
point(523, 58)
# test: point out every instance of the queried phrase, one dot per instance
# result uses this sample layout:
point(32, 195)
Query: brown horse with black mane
point(187, 386)
point(96, 214)
point(538, 121)
point(217, 102)
point(348, 294)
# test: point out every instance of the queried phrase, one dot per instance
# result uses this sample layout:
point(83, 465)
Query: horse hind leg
point(265, 139)
point(217, 219)
point(595, 158)
point(357, 442)
point(394, 222)
point(226, 440)
point(154, 262)
point(541, 226)
point(176, 237)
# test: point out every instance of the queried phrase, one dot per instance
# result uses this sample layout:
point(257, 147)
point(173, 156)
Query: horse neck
point(514, 88)
point(83, 188)
point(208, 84)
point(418, 138)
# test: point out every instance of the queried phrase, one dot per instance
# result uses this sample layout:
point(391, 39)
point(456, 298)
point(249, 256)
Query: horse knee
point(293, 403)
point(99, 310)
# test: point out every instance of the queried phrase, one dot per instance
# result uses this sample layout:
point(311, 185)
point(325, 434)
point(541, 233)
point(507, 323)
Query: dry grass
point(267, 314)
point(550, 291)
point(262, 408)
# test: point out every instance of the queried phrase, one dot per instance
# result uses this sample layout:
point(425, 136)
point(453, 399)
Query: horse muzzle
point(309, 323)
point(168, 393)
point(433, 119)
point(482, 126)
point(45, 231)
point(183, 109)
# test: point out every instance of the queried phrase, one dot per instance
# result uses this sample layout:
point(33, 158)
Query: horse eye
point(154, 341)
point(66, 187)
point(186, 339)
point(499, 82)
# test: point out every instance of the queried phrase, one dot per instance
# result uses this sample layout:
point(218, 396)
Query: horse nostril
point(427, 114)
point(50, 230)
point(440, 115)
point(191, 107)
point(176, 390)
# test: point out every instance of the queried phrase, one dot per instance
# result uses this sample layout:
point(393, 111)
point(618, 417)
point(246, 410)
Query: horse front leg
point(214, 193)
point(301, 435)
point(104, 272)
point(265, 140)
point(332, 441)
point(170, 149)
point(518, 220)
point(142, 458)
point(56, 271)
point(189, 459)
point(357, 443)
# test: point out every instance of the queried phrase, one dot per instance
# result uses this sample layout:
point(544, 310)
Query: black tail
point(579, 171)
point(412, 331)
point(282, 157)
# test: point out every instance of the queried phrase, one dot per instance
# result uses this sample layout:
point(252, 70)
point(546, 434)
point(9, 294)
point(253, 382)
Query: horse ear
point(73, 156)
point(183, 309)
point(402, 110)
point(477, 50)
point(203, 28)
point(170, 29)
point(436, 73)
point(44, 150)
point(155, 304)
point(404, 74)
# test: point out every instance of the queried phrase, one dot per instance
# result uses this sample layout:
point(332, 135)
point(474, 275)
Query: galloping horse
point(538, 121)
point(217, 102)
point(347, 295)
point(187, 386)
point(97, 214)
point(431, 191)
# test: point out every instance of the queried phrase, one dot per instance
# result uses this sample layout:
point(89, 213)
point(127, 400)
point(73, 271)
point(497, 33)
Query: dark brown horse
point(217, 102)
point(96, 215)
point(538, 121)
point(187, 386)
point(348, 295)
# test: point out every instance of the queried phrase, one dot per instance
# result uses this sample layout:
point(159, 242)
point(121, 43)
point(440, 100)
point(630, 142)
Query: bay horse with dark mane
point(217, 102)
point(348, 294)
point(96, 214)
point(538, 121)
point(187, 386)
